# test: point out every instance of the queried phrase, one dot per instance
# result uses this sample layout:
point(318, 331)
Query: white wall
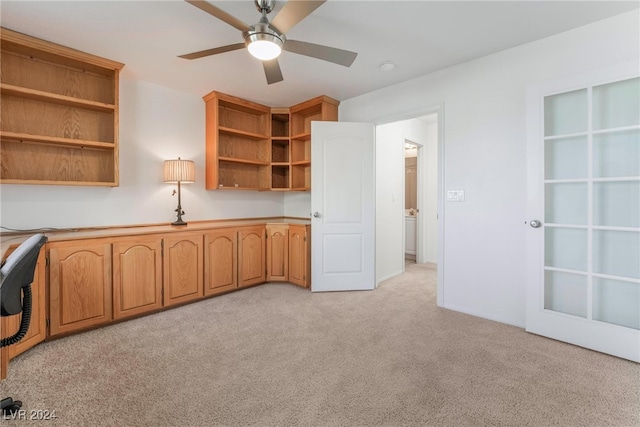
point(156, 124)
point(484, 154)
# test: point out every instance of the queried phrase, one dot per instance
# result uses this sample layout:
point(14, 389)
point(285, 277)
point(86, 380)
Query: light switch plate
point(455, 195)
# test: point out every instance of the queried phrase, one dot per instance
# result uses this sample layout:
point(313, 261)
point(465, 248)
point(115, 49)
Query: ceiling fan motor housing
point(262, 31)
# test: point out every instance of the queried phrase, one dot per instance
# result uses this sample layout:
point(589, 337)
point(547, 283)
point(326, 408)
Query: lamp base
point(179, 222)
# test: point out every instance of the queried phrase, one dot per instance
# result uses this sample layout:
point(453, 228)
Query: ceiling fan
point(266, 40)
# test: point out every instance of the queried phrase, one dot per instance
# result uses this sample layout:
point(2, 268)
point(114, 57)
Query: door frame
point(412, 114)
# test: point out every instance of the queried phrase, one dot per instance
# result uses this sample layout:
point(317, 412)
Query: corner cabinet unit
point(277, 252)
point(59, 114)
point(255, 147)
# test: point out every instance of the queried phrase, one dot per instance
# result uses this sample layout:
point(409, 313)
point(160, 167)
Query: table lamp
point(179, 171)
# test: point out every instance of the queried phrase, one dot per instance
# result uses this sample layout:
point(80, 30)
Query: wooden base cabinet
point(277, 252)
point(251, 256)
point(183, 268)
point(220, 261)
point(79, 285)
point(300, 255)
point(137, 276)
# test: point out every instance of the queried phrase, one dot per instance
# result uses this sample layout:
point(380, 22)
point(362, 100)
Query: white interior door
point(584, 188)
point(342, 206)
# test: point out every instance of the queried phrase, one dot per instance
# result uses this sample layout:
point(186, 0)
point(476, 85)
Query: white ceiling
point(419, 36)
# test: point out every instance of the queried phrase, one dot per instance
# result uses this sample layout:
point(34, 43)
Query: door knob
point(535, 223)
point(316, 214)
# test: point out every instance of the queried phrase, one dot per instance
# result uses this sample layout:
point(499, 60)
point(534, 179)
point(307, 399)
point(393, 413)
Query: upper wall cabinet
point(237, 151)
point(59, 114)
point(255, 147)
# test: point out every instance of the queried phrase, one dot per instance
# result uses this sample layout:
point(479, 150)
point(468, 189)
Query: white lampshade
point(179, 171)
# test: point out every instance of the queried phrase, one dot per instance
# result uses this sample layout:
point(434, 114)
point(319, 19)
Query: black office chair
point(16, 276)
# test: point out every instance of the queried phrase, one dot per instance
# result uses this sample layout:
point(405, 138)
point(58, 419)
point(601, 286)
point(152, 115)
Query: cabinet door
point(183, 268)
point(38, 326)
point(80, 285)
point(299, 256)
point(278, 253)
point(137, 277)
point(220, 261)
point(251, 256)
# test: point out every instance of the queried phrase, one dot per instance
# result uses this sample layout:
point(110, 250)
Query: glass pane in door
point(566, 158)
point(616, 204)
point(566, 203)
point(617, 302)
point(565, 113)
point(565, 293)
point(565, 248)
point(616, 104)
point(616, 253)
point(616, 154)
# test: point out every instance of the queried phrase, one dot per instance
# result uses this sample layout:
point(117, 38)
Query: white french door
point(343, 206)
point(584, 211)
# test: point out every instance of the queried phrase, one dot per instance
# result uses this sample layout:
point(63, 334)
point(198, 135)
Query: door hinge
point(304, 239)
point(46, 261)
point(48, 323)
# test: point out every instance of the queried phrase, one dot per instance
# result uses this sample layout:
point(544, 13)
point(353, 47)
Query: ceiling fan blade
point(220, 14)
point(214, 51)
point(272, 71)
point(326, 53)
point(293, 12)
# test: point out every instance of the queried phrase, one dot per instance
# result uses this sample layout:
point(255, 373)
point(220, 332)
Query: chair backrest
point(17, 272)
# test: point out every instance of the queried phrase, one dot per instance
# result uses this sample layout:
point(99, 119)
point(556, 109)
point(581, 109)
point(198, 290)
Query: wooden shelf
point(50, 140)
point(7, 89)
point(302, 136)
point(227, 187)
point(237, 160)
point(59, 114)
point(242, 133)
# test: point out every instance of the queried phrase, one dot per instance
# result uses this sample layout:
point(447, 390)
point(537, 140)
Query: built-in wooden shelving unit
point(255, 147)
point(59, 114)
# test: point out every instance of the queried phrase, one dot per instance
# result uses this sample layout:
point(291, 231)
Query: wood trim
point(313, 103)
point(55, 49)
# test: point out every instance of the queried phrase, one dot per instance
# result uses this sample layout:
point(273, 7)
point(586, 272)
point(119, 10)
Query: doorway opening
point(398, 212)
point(411, 190)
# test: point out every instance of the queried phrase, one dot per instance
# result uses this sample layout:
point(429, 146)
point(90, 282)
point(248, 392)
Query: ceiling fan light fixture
point(263, 42)
point(264, 50)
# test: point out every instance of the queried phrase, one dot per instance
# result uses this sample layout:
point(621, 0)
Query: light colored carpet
point(278, 355)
